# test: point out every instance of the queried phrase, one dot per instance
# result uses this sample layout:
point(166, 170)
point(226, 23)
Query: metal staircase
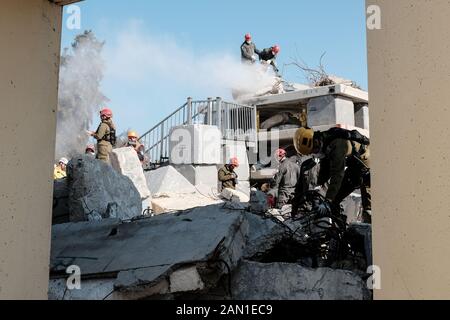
point(236, 122)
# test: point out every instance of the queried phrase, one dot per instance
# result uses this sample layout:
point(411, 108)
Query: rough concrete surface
point(98, 191)
point(167, 180)
point(126, 162)
point(285, 281)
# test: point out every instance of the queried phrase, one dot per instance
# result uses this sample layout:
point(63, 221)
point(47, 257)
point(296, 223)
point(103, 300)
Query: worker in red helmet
point(90, 150)
point(227, 176)
point(105, 135)
point(284, 182)
point(269, 55)
point(249, 52)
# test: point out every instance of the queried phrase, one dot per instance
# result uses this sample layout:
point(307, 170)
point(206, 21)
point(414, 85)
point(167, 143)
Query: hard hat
point(234, 162)
point(64, 161)
point(303, 141)
point(276, 49)
point(106, 112)
point(248, 37)
point(90, 147)
point(133, 134)
point(281, 153)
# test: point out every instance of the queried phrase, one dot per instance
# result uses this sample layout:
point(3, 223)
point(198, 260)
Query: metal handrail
point(228, 117)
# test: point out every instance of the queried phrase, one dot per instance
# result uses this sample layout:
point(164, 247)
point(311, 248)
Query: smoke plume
point(79, 97)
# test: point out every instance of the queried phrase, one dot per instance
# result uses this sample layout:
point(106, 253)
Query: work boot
point(366, 216)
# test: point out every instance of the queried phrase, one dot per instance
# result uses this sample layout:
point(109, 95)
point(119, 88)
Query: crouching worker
point(344, 163)
point(105, 135)
point(227, 176)
point(60, 170)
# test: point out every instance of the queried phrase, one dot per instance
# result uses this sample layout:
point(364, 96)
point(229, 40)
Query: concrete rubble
point(293, 282)
point(126, 162)
point(97, 191)
point(192, 254)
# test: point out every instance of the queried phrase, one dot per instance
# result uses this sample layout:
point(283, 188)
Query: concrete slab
point(167, 180)
point(284, 281)
point(179, 202)
point(200, 175)
point(126, 162)
point(330, 110)
point(362, 117)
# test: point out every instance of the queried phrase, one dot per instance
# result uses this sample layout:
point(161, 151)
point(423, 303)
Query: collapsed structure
point(186, 240)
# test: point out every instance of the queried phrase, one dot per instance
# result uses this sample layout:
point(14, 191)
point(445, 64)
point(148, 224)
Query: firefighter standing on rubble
point(249, 51)
point(344, 162)
point(269, 55)
point(227, 176)
point(136, 145)
point(283, 184)
point(105, 135)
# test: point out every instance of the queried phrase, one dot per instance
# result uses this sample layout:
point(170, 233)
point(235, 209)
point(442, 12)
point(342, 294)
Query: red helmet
point(234, 162)
point(90, 147)
point(106, 112)
point(281, 153)
point(276, 49)
point(248, 37)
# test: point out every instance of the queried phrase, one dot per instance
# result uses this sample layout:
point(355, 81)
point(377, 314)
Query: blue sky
point(201, 28)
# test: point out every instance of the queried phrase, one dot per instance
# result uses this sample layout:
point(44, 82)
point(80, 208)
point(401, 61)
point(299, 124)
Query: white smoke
point(79, 96)
point(136, 55)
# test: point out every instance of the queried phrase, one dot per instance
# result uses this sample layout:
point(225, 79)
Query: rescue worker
point(284, 182)
point(344, 163)
point(60, 170)
point(248, 51)
point(136, 145)
point(105, 135)
point(90, 150)
point(269, 55)
point(227, 176)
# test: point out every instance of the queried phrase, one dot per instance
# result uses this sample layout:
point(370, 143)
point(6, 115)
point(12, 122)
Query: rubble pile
point(97, 191)
point(211, 252)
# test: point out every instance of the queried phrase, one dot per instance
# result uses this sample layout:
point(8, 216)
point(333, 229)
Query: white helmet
point(64, 161)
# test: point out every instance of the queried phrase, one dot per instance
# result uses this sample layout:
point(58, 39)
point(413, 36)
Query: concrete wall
point(29, 61)
point(409, 73)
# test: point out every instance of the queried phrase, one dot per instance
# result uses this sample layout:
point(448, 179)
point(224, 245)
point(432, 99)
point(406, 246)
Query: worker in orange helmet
point(133, 142)
point(227, 176)
point(249, 52)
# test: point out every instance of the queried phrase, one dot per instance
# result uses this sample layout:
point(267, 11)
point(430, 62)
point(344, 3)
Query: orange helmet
point(248, 37)
point(281, 153)
point(133, 134)
point(234, 162)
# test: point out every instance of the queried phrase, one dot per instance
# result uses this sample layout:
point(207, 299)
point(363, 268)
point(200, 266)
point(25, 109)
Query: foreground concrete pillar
point(409, 73)
point(29, 62)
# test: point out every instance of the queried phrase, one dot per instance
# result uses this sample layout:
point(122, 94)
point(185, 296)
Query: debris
point(258, 202)
point(288, 281)
point(166, 180)
point(172, 202)
point(60, 201)
point(97, 191)
point(234, 195)
point(126, 162)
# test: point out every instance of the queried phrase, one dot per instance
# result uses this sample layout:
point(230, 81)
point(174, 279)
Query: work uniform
point(285, 182)
point(228, 177)
point(266, 55)
point(59, 173)
point(248, 51)
point(105, 136)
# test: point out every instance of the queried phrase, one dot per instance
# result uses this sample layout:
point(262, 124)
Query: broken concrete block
point(129, 250)
point(244, 187)
point(167, 180)
point(97, 191)
point(195, 144)
point(200, 175)
point(173, 202)
point(126, 162)
point(186, 279)
point(285, 281)
point(258, 202)
point(330, 110)
point(60, 201)
point(234, 195)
